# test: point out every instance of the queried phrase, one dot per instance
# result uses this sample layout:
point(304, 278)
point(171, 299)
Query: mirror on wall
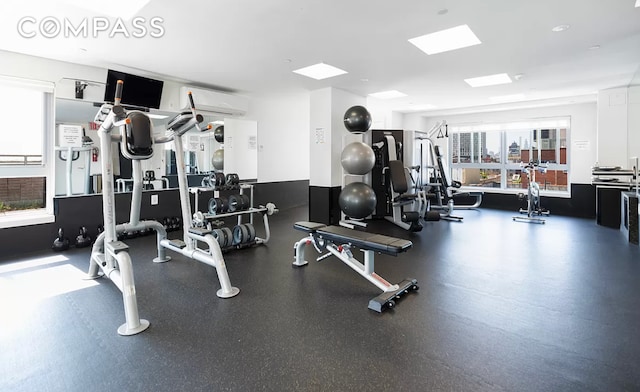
point(633, 116)
point(230, 146)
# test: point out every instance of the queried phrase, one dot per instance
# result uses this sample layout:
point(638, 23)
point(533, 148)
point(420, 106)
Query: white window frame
point(45, 169)
point(504, 165)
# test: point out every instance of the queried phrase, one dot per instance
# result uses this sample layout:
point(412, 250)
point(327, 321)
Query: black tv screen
point(137, 90)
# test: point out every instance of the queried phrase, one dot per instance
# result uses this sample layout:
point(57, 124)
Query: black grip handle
point(193, 105)
point(118, 97)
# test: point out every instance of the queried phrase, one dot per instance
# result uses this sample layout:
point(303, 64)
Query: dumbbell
point(218, 205)
point(220, 179)
point(238, 203)
point(232, 180)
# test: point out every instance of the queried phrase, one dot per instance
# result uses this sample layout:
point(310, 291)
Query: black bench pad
point(376, 242)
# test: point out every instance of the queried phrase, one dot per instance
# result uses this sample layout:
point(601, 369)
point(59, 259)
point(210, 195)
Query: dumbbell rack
point(246, 230)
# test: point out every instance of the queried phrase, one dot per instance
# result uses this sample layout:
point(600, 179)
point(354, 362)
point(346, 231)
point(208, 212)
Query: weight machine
point(534, 210)
point(436, 190)
point(110, 257)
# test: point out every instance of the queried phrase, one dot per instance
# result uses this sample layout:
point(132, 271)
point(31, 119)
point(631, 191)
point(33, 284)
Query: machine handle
point(193, 105)
point(118, 97)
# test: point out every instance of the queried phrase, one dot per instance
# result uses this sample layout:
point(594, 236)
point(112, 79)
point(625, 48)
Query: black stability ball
point(357, 119)
point(357, 200)
point(218, 133)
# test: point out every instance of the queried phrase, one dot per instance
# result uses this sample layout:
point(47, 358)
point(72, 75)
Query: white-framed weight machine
point(110, 257)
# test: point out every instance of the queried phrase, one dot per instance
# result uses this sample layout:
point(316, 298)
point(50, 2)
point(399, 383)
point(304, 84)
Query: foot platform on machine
point(178, 243)
point(199, 231)
point(117, 246)
point(387, 299)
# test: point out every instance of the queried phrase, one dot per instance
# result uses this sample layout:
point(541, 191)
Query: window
point(489, 155)
point(26, 109)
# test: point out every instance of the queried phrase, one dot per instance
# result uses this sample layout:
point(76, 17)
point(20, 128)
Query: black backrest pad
point(363, 240)
point(443, 170)
point(139, 140)
point(398, 178)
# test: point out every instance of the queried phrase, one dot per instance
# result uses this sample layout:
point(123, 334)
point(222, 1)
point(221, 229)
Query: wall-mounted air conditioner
point(214, 102)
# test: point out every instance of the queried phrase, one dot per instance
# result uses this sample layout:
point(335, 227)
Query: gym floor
point(502, 306)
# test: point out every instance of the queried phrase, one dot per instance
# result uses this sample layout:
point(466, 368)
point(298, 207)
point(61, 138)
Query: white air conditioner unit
point(214, 102)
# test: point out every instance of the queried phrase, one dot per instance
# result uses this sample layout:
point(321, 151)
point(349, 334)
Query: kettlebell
point(61, 242)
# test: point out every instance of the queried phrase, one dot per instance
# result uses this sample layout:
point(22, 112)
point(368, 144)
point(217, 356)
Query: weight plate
point(237, 235)
point(212, 206)
point(219, 236)
point(235, 203)
point(251, 236)
point(228, 236)
point(223, 205)
point(246, 202)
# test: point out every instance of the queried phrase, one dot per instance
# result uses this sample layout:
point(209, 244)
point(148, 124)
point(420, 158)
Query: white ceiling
point(250, 47)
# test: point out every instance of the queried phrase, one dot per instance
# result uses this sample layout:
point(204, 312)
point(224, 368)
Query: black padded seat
point(376, 242)
point(399, 183)
point(309, 227)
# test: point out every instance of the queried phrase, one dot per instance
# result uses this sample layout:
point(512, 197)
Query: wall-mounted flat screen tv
point(137, 91)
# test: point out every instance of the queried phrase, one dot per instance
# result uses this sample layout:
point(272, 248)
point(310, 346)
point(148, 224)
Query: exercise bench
point(338, 241)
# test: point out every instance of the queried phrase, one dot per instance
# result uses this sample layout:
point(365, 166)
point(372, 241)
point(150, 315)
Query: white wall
point(583, 129)
point(633, 122)
point(328, 134)
point(612, 128)
point(241, 148)
point(320, 138)
point(382, 115)
point(283, 136)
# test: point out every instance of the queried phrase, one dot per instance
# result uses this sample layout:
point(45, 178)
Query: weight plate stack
point(246, 202)
point(218, 234)
point(235, 203)
point(218, 205)
point(252, 233)
point(240, 234)
point(228, 236)
point(213, 206)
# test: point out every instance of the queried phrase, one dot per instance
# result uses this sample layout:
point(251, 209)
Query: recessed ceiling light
point(518, 76)
point(637, 3)
point(446, 40)
point(320, 71)
point(490, 80)
point(507, 98)
point(560, 28)
point(595, 47)
point(388, 94)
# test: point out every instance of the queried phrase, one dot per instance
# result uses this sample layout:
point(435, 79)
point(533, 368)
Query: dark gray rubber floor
point(502, 306)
